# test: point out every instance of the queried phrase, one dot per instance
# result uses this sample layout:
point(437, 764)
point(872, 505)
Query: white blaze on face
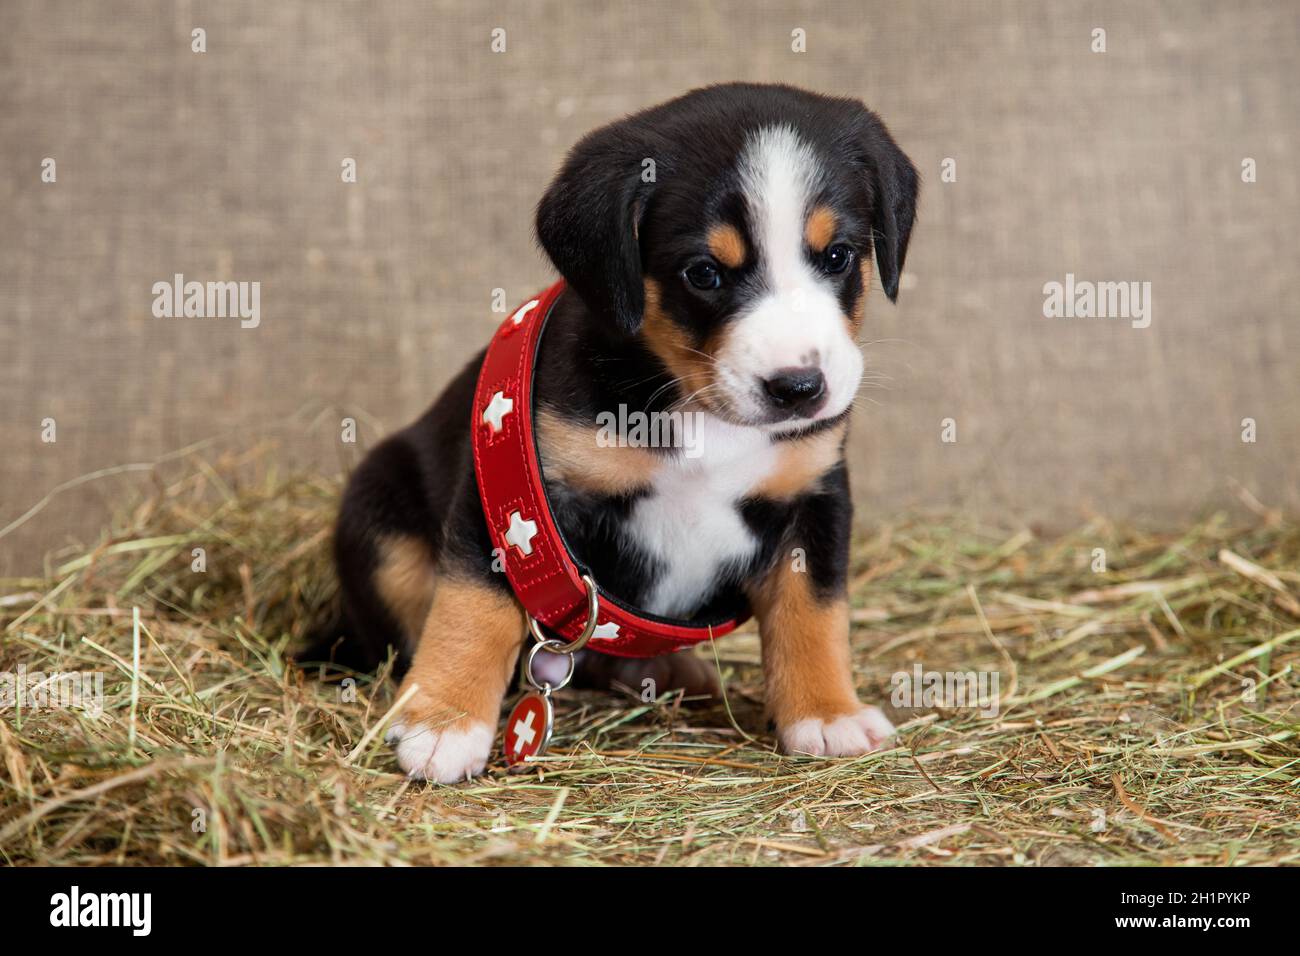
point(797, 321)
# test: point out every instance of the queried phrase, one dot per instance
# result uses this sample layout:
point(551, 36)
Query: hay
point(1128, 732)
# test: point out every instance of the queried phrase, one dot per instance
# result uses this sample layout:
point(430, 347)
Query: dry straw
point(1148, 713)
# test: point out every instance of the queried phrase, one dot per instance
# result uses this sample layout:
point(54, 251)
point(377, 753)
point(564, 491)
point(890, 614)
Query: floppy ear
point(895, 184)
point(588, 220)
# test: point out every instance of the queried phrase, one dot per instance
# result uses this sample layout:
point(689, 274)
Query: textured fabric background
point(226, 166)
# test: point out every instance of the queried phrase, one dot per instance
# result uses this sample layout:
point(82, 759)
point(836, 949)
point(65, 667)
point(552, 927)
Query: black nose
point(801, 390)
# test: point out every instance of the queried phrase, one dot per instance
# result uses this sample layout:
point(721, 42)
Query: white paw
point(445, 754)
point(847, 736)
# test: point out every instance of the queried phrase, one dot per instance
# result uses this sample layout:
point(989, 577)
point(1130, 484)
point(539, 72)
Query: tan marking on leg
point(405, 582)
point(572, 454)
point(467, 650)
point(801, 462)
point(820, 228)
point(727, 245)
point(462, 667)
point(806, 663)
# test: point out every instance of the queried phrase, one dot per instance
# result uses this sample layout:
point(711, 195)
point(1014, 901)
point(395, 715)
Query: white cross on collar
point(521, 533)
point(522, 314)
point(496, 410)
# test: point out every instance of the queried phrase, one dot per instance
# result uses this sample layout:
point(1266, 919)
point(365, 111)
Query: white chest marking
point(689, 522)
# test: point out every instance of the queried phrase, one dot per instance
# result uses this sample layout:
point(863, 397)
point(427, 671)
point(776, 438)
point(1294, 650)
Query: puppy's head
point(733, 230)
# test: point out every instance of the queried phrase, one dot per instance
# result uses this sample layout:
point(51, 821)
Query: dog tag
point(528, 728)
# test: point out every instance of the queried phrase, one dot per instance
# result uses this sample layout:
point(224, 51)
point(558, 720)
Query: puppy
point(717, 253)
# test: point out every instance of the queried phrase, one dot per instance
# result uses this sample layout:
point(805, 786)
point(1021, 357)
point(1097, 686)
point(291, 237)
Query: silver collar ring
point(555, 646)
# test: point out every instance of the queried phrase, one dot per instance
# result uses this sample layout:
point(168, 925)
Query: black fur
point(608, 230)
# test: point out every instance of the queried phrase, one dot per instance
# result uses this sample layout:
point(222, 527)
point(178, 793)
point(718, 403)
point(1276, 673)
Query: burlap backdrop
point(225, 165)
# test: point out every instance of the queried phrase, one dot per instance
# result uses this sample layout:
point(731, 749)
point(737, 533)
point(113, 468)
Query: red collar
point(543, 574)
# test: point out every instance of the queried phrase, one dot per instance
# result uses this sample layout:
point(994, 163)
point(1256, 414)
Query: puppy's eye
point(703, 275)
point(837, 258)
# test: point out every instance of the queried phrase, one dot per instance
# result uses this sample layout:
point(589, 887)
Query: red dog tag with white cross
point(528, 728)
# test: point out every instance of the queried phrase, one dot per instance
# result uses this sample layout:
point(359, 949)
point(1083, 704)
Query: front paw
point(439, 750)
point(849, 736)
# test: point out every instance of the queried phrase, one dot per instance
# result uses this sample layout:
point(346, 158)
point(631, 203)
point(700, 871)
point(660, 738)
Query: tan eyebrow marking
point(820, 228)
point(727, 245)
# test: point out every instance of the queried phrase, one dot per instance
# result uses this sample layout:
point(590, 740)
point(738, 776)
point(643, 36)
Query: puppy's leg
point(807, 668)
point(462, 666)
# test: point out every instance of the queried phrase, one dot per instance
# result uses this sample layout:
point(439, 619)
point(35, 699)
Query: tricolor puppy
point(717, 251)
